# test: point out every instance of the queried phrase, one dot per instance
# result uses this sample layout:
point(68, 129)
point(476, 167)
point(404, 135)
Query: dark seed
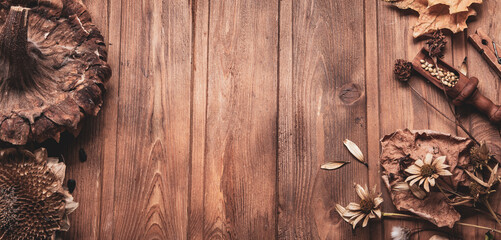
point(82, 155)
point(72, 184)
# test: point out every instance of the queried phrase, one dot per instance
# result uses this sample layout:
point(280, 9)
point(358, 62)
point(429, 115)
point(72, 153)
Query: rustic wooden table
point(219, 115)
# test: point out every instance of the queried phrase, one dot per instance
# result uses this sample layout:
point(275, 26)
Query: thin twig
point(457, 223)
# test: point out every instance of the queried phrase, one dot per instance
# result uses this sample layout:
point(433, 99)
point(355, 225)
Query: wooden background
point(219, 114)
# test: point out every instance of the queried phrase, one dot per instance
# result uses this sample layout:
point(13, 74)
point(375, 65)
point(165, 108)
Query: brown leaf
point(455, 6)
point(417, 144)
point(436, 17)
point(333, 165)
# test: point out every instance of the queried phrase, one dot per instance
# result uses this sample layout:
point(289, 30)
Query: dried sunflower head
point(367, 208)
point(480, 156)
point(426, 172)
point(33, 203)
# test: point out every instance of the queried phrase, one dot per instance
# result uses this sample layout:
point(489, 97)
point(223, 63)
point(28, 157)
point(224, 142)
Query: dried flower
point(400, 233)
point(480, 156)
point(403, 70)
point(369, 207)
point(426, 172)
point(493, 178)
point(33, 203)
point(436, 44)
point(354, 150)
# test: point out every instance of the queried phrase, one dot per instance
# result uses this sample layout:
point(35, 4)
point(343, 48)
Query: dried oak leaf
point(455, 6)
point(52, 68)
point(415, 145)
point(33, 203)
point(436, 17)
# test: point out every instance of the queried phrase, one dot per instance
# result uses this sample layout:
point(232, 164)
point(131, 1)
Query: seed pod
point(33, 203)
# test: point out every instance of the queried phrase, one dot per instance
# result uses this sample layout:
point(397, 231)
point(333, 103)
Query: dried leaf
point(354, 150)
point(433, 207)
point(333, 165)
point(455, 6)
point(464, 67)
point(435, 17)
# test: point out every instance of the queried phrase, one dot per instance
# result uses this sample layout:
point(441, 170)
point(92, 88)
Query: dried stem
point(488, 205)
point(457, 223)
point(18, 66)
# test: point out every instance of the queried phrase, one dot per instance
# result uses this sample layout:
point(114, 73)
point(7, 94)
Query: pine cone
point(436, 44)
point(52, 69)
point(403, 70)
point(33, 203)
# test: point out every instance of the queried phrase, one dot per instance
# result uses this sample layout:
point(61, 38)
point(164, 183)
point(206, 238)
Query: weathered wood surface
point(220, 113)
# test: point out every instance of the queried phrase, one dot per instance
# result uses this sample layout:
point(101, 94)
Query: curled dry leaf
point(438, 16)
point(354, 150)
point(333, 165)
point(455, 6)
point(52, 68)
point(416, 144)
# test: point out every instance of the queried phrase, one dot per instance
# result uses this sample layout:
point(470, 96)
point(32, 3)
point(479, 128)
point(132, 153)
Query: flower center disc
point(366, 206)
point(427, 170)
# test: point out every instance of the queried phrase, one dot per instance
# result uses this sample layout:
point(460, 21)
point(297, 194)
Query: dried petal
point(354, 150)
point(333, 165)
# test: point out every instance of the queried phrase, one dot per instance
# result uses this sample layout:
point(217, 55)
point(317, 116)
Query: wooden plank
point(241, 137)
point(200, 26)
point(322, 101)
point(152, 164)
point(110, 111)
point(372, 91)
point(97, 139)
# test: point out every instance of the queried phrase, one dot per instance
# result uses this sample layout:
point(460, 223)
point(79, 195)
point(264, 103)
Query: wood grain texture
point(240, 159)
point(322, 101)
point(97, 139)
point(152, 163)
point(220, 113)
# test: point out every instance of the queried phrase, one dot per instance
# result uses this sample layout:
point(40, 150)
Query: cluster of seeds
point(447, 78)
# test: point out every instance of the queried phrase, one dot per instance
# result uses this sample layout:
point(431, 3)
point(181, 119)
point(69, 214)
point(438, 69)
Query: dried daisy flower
point(33, 203)
point(400, 233)
point(426, 172)
point(493, 178)
point(369, 207)
point(480, 156)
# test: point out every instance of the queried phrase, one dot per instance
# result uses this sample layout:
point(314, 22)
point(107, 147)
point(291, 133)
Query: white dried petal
point(333, 165)
point(354, 150)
